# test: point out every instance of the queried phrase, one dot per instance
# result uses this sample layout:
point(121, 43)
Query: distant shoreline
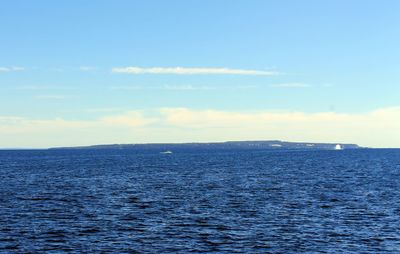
point(229, 145)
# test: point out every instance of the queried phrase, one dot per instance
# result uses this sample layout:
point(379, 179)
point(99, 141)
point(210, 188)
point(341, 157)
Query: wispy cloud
point(291, 85)
point(10, 69)
point(191, 71)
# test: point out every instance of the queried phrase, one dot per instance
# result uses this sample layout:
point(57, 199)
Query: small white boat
point(166, 152)
point(338, 147)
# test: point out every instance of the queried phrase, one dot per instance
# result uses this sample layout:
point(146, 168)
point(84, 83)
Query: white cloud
point(378, 128)
point(9, 69)
point(191, 71)
point(28, 132)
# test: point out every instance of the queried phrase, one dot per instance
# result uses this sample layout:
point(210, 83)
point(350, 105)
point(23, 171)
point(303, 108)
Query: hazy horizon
point(179, 143)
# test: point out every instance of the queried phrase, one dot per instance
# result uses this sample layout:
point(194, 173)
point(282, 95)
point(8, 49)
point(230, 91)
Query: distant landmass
point(229, 145)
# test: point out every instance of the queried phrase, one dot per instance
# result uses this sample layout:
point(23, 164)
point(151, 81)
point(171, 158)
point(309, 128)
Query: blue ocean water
point(121, 201)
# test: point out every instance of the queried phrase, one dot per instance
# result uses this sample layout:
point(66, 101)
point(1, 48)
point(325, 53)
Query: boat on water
point(166, 152)
point(338, 147)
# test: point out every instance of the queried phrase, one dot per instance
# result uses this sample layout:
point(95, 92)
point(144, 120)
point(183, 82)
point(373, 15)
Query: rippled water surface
point(125, 201)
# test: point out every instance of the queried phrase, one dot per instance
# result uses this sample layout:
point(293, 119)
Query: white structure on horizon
point(338, 147)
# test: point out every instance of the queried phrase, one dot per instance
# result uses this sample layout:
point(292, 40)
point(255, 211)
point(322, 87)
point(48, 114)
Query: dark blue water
point(212, 201)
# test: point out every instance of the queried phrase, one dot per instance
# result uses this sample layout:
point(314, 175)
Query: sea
point(200, 201)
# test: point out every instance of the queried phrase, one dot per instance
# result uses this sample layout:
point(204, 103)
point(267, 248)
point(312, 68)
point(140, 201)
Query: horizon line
point(182, 143)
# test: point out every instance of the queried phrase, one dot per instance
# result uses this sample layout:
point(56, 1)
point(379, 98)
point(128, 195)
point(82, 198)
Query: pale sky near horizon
point(100, 72)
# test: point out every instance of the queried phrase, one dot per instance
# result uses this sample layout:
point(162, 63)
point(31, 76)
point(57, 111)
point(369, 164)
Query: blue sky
point(239, 61)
